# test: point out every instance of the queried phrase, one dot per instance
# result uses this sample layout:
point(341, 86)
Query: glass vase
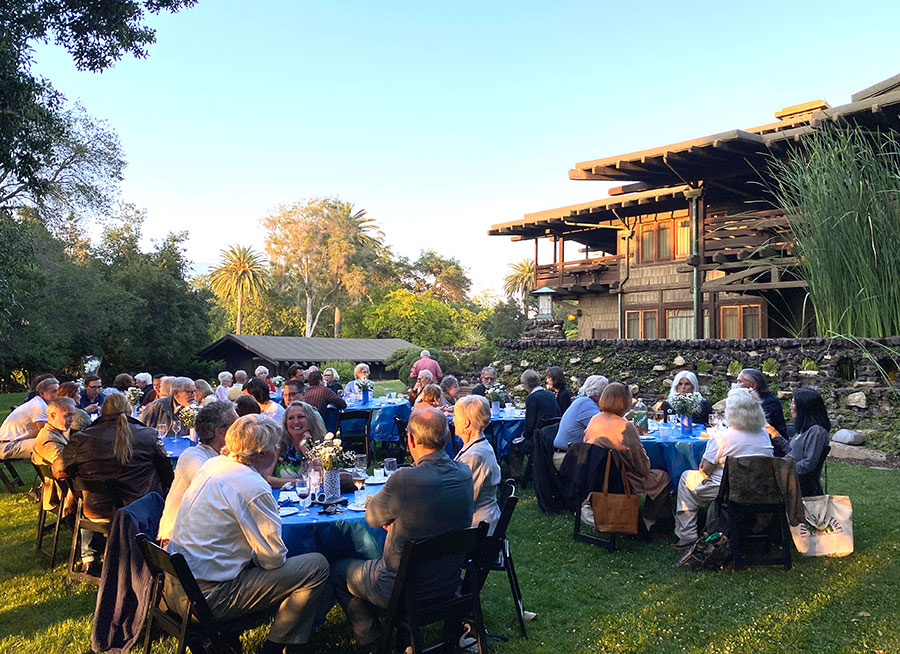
point(687, 425)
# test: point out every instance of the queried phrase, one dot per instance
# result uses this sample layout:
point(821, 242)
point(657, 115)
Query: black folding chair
point(497, 554)
point(758, 527)
point(11, 479)
point(430, 588)
point(351, 435)
point(194, 624)
point(600, 459)
point(80, 486)
point(43, 528)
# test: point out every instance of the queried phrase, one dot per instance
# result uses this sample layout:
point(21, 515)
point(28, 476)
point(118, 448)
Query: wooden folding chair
point(43, 529)
point(79, 486)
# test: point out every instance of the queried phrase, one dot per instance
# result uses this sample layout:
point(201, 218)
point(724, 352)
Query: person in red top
point(319, 395)
point(425, 362)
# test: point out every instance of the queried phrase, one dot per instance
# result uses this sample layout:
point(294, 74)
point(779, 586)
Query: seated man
point(487, 379)
point(745, 436)
point(237, 388)
point(213, 420)
point(424, 379)
point(540, 405)
point(293, 390)
point(51, 440)
point(93, 396)
point(753, 379)
point(21, 427)
point(166, 409)
point(319, 396)
point(229, 531)
point(433, 496)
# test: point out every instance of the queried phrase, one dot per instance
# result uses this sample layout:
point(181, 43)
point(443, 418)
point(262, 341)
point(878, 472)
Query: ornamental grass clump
point(841, 192)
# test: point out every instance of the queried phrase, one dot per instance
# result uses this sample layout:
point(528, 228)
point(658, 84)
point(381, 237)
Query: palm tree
point(241, 273)
point(520, 280)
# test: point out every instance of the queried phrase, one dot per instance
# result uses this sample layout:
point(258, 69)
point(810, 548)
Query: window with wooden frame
point(739, 321)
point(657, 241)
point(682, 238)
point(641, 324)
point(680, 323)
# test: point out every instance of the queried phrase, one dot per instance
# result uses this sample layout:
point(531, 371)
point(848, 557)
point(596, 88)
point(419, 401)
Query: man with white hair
point(745, 436)
point(576, 418)
point(166, 409)
point(229, 531)
point(422, 380)
point(237, 388)
point(21, 427)
point(425, 362)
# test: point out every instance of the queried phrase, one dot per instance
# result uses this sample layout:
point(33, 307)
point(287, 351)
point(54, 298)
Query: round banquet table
point(176, 445)
point(335, 536)
point(504, 428)
point(384, 410)
point(673, 451)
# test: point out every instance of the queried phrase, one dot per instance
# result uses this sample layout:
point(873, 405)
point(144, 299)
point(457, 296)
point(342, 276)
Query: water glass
point(177, 427)
point(510, 409)
point(390, 466)
point(379, 474)
point(162, 429)
point(315, 479)
point(361, 463)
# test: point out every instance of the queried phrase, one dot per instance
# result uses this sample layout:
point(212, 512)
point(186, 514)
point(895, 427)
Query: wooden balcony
point(579, 277)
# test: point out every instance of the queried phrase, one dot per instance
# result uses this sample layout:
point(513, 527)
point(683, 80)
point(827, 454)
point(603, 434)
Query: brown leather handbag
point(615, 513)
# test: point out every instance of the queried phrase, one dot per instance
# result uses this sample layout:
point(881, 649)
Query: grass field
point(587, 600)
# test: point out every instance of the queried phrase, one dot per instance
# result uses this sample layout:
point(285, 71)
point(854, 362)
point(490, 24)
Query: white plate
point(371, 481)
point(288, 510)
point(356, 507)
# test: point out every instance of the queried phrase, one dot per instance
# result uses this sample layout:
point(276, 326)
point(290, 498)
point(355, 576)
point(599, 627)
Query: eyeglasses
point(94, 386)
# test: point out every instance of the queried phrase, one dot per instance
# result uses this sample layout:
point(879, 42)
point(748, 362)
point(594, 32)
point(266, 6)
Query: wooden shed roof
point(282, 349)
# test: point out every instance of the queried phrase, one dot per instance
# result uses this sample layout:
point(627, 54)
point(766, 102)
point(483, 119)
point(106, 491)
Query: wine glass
point(162, 429)
point(304, 495)
point(177, 426)
point(390, 466)
point(359, 480)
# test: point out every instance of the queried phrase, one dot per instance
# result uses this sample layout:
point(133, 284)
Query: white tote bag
point(828, 527)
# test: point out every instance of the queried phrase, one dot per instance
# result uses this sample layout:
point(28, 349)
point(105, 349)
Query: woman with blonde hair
point(301, 428)
point(471, 415)
point(204, 394)
point(116, 448)
point(609, 429)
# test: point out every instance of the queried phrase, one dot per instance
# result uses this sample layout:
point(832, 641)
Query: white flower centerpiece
point(366, 388)
point(495, 395)
point(188, 415)
point(332, 457)
point(134, 395)
point(278, 381)
point(685, 406)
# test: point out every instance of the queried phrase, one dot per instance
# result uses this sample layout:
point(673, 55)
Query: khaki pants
point(296, 588)
point(695, 491)
point(558, 459)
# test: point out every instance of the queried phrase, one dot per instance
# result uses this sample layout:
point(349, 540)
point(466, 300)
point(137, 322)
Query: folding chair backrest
point(401, 428)
point(507, 490)
point(431, 569)
point(355, 417)
point(494, 543)
point(174, 566)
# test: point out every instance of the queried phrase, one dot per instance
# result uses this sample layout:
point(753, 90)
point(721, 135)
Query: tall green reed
point(841, 192)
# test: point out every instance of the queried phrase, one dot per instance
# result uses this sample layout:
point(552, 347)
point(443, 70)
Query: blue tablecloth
point(176, 445)
point(505, 429)
point(676, 453)
point(383, 413)
point(335, 536)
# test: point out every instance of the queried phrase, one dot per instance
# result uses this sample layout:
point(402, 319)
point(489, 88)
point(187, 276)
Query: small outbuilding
point(278, 353)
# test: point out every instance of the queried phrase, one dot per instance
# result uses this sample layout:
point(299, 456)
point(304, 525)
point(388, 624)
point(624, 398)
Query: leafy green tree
point(322, 251)
point(506, 320)
point(422, 320)
point(520, 281)
point(240, 274)
point(96, 34)
point(443, 278)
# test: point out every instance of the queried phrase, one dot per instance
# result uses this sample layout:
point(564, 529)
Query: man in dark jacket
point(540, 405)
point(433, 496)
point(771, 405)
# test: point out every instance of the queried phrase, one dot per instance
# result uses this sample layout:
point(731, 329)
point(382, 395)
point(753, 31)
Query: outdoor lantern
point(545, 303)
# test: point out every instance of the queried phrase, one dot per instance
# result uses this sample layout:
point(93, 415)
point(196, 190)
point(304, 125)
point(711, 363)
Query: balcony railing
point(579, 275)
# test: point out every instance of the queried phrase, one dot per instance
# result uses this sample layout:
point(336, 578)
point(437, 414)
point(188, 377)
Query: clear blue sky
point(441, 119)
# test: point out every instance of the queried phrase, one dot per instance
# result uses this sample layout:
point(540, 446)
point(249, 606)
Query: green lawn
point(389, 386)
point(587, 599)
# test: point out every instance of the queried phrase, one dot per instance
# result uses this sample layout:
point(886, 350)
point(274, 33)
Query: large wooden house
point(690, 245)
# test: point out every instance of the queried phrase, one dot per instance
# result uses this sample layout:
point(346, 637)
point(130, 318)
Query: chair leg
point(10, 486)
point(59, 519)
point(42, 518)
point(515, 590)
point(76, 535)
point(415, 637)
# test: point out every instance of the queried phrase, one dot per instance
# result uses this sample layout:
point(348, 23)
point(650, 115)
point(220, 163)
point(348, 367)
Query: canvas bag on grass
point(615, 513)
point(827, 529)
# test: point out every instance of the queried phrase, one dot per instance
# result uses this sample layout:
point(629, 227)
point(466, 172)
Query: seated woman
point(301, 426)
point(556, 382)
point(262, 373)
point(73, 390)
point(432, 396)
point(361, 371)
point(332, 380)
point(686, 382)
point(813, 425)
point(449, 388)
point(205, 394)
point(258, 390)
point(117, 448)
point(122, 382)
point(576, 418)
point(609, 429)
point(245, 404)
point(470, 416)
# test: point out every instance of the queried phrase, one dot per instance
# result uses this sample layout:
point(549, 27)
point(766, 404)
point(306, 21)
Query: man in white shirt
point(229, 531)
point(213, 421)
point(745, 436)
point(21, 427)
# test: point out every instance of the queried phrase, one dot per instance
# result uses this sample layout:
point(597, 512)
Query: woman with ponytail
point(116, 448)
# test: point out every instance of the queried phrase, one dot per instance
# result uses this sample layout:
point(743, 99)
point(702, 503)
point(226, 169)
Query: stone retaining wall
point(844, 372)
